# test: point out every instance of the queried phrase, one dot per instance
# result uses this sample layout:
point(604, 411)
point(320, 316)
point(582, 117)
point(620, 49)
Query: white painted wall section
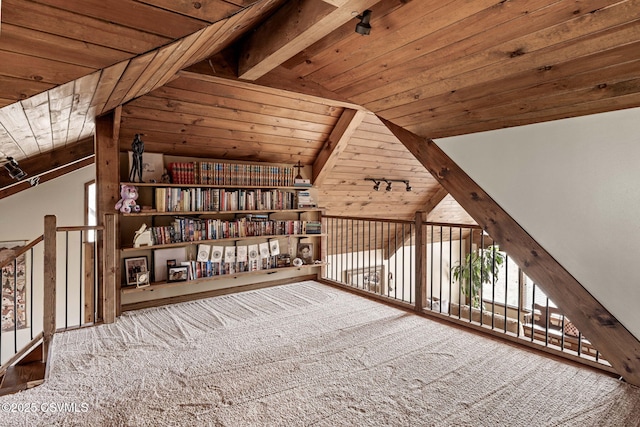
point(574, 186)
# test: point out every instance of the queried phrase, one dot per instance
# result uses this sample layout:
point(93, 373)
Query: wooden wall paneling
point(131, 74)
point(61, 101)
point(27, 67)
point(81, 119)
point(159, 62)
point(314, 133)
point(16, 124)
point(602, 328)
point(53, 47)
point(36, 108)
point(428, 32)
point(220, 96)
point(109, 77)
point(226, 32)
point(211, 11)
point(335, 144)
point(14, 89)
point(548, 46)
point(143, 17)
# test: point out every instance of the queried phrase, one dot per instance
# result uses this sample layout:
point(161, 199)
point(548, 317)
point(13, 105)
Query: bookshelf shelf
point(163, 285)
point(229, 240)
point(194, 213)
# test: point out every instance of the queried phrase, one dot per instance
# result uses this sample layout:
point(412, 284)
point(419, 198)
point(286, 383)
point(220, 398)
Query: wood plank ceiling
point(436, 68)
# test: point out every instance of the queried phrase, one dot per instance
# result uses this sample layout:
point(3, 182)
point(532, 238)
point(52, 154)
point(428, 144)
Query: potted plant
point(479, 267)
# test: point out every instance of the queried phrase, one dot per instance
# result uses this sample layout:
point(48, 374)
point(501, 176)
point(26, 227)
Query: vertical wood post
point(322, 272)
point(49, 309)
point(421, 261)
point(110, 270)
point(107, 151)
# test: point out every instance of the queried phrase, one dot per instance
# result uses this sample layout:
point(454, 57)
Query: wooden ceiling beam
point(50, 160)
point(336, 143)
point(295, 26)
point(607, 334)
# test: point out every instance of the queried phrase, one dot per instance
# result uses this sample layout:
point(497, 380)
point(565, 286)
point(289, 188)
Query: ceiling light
point(14, 170)
point(388, 185)
point(363, 27)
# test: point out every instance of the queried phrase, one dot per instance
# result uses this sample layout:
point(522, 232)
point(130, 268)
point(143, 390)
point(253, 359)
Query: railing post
point(49, 309)
point(110, 269)
point(421, 261)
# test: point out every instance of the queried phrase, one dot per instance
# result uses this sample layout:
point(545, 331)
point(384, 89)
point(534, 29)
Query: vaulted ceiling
point(282, 81)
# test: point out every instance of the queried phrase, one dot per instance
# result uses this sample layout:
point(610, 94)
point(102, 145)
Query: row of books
point(195, 229)
point(169, 199)
point(215, 173)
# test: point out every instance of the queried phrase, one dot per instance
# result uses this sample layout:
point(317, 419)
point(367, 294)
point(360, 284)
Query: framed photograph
point(142, 279)
point(133, 266)
point(160, 258)
point(305, 252)
point(178, 274)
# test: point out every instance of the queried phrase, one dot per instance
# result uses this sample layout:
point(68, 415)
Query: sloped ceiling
point(436, 68)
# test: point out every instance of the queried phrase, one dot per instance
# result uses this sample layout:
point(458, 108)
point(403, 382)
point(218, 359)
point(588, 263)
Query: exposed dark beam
point(607, 334)
point(335, 144)
point(294, 27)
point(50, 160)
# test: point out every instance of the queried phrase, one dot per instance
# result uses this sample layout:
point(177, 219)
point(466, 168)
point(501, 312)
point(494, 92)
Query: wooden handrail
point(22, 250)
point(399, 221)
point(81, 228)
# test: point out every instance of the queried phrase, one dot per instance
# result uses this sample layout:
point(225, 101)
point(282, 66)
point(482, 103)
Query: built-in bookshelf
point(217, 220)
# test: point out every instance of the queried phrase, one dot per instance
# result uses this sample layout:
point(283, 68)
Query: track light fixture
point(378, 181)
point(14, 170)
point(363, 27)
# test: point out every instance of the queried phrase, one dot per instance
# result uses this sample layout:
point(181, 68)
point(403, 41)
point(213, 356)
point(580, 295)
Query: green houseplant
point(479, 267)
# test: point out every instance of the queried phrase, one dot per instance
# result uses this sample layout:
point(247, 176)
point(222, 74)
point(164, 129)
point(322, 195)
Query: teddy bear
point(127, 203)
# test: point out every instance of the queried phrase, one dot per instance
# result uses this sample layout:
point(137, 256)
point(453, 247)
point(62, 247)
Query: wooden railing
point(65, 288)
point(415, 264)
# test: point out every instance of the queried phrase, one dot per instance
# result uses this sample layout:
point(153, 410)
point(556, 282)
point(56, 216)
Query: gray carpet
point(307, 355)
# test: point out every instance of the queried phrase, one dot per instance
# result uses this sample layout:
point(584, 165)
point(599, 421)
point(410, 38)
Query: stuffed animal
point(127, 203)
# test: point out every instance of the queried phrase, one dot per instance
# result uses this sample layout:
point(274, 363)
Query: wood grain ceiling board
point(368, 155)
point(195, 116)
point(442, 71)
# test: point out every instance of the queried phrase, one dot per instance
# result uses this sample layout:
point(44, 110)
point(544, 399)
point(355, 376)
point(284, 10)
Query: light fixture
point(14, 170)
point(378, 181)
point(363, 27)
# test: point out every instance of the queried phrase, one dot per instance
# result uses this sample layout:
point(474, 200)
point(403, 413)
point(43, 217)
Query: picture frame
point(305, 252)
point(133, 266)
point(142, 279)
point(160, 258)
point(178, 273)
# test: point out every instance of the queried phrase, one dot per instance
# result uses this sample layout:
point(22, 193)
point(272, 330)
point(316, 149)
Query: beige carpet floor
point(307, 355)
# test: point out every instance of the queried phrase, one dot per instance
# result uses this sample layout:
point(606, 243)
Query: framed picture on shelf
point(133, 266)
point(160, 258)
point(305, 253)
point(178, 274)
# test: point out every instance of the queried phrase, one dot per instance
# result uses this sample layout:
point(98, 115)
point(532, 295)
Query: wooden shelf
point(229, 239)
point(232, 187)
point(193, 213)
point(163, 285)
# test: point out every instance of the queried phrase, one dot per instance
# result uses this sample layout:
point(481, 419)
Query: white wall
point(22, 218)
point(574, 186)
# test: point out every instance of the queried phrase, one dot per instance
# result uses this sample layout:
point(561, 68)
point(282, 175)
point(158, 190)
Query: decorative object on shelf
point(133, 266)
point(178, 273)
point(137, 146)
point(274, 247)
point(165, 178)
point(142, 237)
point(142, 279)
point(299, 181)
point(363, 27)
point(297, 262)
point(305, 252)
point(216, 253)
point(160, 258)
point(378, 181)
point(128, 197)
point(204, 252)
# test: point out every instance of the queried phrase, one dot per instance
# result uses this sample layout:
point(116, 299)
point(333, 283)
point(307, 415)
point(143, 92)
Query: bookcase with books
point(210, 220)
